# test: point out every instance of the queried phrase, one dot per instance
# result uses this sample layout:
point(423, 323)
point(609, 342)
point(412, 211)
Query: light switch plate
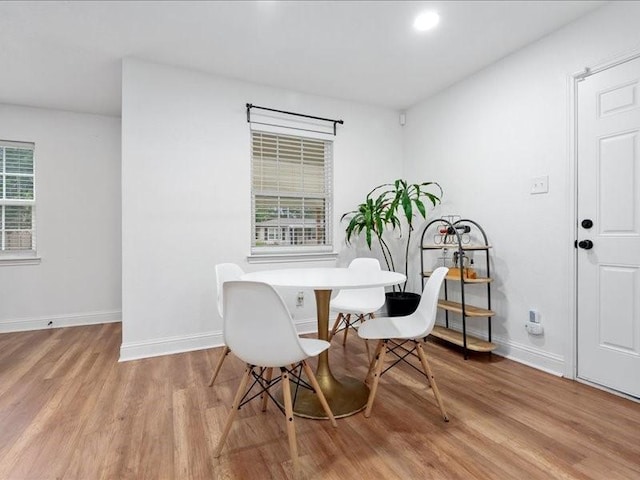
point(540, 185)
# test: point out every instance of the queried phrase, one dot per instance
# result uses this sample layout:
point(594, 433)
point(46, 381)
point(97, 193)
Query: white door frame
point(571, 356)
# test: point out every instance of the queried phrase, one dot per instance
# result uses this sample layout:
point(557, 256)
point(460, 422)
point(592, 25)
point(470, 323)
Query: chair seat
point(313, 346)
point(357, 307)
point(409, 327)
point(309, 347)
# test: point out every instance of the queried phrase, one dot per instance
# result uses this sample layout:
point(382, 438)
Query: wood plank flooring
point(69, 410)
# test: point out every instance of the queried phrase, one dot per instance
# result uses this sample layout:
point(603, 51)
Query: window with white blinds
point(17, 198)
point(291, 190)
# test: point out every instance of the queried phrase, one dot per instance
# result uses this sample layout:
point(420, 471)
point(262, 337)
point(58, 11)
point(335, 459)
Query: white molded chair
point(260, 331)
point(224, 273)
point(361, 302)
point(393, 333)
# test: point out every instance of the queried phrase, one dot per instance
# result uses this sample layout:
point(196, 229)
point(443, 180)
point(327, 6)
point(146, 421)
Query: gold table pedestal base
point(345, 397)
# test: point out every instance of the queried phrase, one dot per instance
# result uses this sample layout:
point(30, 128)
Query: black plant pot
point(400, 304)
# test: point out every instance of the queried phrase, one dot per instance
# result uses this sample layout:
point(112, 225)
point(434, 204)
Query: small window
point(291, 193)
point(17, 198)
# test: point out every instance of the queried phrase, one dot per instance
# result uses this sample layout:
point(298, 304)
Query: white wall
point(485, 139)
point(186, 196)
point(186, 205)
point(78, 280)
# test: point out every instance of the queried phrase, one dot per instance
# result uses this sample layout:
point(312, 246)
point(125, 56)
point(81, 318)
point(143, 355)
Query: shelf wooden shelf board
point(470, 310)
point(454, 278)
point(455, 246)
point(455, 337)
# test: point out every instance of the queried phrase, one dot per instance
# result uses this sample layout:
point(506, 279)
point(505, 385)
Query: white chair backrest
point(428, 306)
point(365, 263)
point(224, 273)
point(373, 297)
point(258, 328)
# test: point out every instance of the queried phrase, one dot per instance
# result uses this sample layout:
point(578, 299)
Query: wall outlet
point(534, 328)
point(300, 299)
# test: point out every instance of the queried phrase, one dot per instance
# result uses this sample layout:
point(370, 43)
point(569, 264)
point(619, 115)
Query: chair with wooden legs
point(354, 306)
point(395, 333)
point(259, 330)
point(224, 273)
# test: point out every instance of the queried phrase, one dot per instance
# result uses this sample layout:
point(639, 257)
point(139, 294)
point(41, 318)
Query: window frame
point(23, 255)
point(293, 252)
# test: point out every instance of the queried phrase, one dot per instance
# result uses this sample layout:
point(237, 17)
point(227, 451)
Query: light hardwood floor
point(69, 410)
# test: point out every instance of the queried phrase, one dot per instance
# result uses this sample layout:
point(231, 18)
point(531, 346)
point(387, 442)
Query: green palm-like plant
point(382, 211)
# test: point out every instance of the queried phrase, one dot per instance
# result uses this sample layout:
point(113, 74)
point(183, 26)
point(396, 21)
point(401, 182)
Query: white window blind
point(17, 198)
point(291, 193)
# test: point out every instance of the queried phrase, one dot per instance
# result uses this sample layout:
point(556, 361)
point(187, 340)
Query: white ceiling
point(67, 55)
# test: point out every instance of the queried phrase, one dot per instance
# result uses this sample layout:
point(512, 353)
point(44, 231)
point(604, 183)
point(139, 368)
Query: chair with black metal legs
point(259, 330)
point(394, 333)
point(354, 306)
point(224, 273)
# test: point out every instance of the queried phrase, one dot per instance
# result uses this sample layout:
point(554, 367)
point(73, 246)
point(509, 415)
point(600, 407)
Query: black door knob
point(585, 244)
point(587, 223)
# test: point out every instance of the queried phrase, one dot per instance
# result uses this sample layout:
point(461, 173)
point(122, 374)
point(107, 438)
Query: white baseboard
point(188, 343)
point(170, 345)
point(532, 357)
point(525, 354)
point(58, 321)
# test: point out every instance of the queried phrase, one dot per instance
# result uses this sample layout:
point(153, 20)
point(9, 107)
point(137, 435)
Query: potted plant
point(385, 210)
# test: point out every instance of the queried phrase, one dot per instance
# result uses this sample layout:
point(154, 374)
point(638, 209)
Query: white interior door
point(609, 197)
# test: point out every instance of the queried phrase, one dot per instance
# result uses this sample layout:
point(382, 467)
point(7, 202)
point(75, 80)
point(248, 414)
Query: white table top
point(325, 278)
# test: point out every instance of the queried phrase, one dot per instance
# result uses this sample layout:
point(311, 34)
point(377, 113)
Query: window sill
point(11, 261)
point(292, 257)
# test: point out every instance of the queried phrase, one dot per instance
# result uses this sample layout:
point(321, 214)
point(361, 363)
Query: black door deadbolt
point(587, 223)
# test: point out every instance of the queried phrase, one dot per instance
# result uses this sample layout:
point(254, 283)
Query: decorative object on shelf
point(385, 209)
point(457, 239)
point(462, 266)
point(446, 233)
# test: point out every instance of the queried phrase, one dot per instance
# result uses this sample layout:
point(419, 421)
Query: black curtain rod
point(250, 106)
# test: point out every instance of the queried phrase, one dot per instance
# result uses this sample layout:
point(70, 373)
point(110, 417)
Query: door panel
point(618, 293)
point(617, 161)
point(618, 99)
point(608, 280)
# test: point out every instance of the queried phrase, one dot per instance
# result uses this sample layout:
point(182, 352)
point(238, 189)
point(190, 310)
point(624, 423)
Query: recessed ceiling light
point(426, 21)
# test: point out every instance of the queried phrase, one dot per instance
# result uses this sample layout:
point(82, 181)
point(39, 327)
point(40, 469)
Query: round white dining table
point(345, 395)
